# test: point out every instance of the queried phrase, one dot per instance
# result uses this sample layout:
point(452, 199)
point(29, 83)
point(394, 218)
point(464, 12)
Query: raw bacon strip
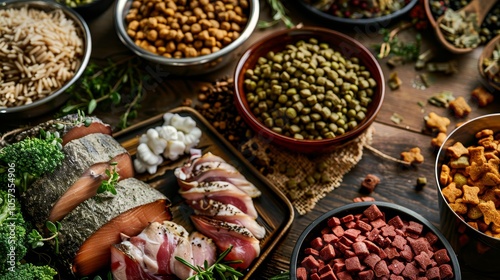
point(228, 213)
point(224, 192)
point(152, 253)
point(245, 246)
point(209, 168)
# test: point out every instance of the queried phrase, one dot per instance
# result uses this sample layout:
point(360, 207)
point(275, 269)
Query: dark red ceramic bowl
point(347, 46)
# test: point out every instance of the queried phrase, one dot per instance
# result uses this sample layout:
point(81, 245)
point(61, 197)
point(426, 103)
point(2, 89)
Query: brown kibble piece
point(470, 194)
point(457, 150)
point(482, 96)
point(458, 206)
point(434, 121)
point(460, 107)
point(438, 140)
point(445, 176)
point(369, 183)
point(451, 192)
point(413, 156)
point(490, 213)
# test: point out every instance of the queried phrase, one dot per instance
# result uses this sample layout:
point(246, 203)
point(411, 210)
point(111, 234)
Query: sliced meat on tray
point(152, 253)
point(228, 213)
point(82, 156)
point(245, 246)
point(189, 176)
point(224, 192)
point(88, 232)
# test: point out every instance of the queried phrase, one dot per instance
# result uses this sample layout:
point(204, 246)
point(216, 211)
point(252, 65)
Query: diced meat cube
point(328, 276)
point(374, 233)
point(445, 271)
point(423, 260)
point(302, 273)
point(441, 256)
point(352, 264)
point(415, 227)
point(407, 253)
point(349, 254)
point(326, 230)
point(378, 223)
point(381, 269)
point(347, 218)
point(338, 231)
point(373, 212)
point(396, 267)
point(317, 243)
point(419, 245)
point(344, 275)
point(396, 277)
point(396, 222)
point(351, 224)
point(366, 275)
point(311, 251)
point(388, 231)
point(315, 276)
point(371, 260)
point(399, 242)
point(360, 249)
point(352, 233)
point(330, 238)
point(333, 222)
point(372, 247)
point(327, 253)
point(338, 265)
point(346, 241)
point(431, 237)
point(410, 271)
point(360, 238)
point(310, 262)
point(391, 252)
point(363, 226)
point(433, 273)
point(324, 269)
point(422, 278)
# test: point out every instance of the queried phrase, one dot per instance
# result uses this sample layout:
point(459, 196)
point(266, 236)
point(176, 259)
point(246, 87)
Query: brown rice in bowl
point(44, 47)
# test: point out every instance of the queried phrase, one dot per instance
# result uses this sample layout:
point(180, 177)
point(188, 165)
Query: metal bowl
point(192, 65)
point(390, 210)
point(475, 250)
point(57, 98)
point(91, 10)
point(373, 24)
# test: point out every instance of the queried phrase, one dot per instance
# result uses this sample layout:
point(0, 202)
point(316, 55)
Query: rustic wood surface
point(397, 182)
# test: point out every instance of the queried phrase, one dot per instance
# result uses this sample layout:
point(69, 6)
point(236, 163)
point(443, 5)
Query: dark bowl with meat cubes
point(373, 240)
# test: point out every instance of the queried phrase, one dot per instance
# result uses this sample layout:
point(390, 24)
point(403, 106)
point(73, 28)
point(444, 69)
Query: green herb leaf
point(92, 106)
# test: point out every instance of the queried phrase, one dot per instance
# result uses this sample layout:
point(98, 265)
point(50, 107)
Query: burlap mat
point(339, 162)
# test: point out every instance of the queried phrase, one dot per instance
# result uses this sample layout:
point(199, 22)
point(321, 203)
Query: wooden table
point(397, 182)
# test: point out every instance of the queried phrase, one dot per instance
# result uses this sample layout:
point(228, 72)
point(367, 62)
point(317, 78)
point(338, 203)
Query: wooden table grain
point(397, 182)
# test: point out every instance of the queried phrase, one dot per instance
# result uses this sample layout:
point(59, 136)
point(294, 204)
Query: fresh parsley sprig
point(35, 239)
point(110, 184)
point(219, 270)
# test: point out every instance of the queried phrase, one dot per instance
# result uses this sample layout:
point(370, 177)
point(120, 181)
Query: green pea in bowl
point(308, 89)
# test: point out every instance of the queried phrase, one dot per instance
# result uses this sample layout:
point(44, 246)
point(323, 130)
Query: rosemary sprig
point(219, 270)
point(280, 14)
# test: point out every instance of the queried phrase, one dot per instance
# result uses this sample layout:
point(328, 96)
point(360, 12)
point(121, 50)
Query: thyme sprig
point(409, 51)
point(219, 270)
point(280, 14)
